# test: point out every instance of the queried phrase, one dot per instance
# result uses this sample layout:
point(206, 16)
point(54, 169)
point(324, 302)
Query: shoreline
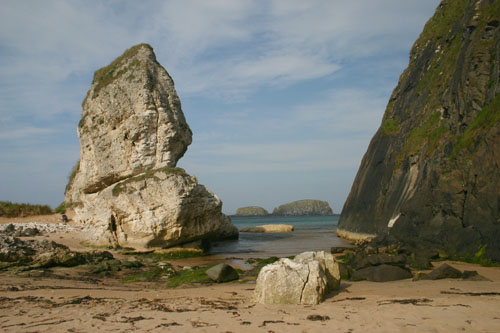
point(68, 299)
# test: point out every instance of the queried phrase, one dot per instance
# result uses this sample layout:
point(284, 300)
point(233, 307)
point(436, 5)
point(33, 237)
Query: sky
point(282, 96)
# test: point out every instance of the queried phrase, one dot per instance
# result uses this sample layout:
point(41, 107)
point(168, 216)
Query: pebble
point(43, 227)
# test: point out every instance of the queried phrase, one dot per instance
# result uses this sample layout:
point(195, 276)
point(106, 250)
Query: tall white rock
point(126, 188)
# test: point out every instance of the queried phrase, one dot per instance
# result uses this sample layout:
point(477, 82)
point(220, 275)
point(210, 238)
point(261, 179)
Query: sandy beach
point(67, 300)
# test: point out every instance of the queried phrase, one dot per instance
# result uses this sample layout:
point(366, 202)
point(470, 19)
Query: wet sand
point(66, 300)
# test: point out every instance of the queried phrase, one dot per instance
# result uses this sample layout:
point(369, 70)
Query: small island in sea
point(304, 208)
point(251, 211)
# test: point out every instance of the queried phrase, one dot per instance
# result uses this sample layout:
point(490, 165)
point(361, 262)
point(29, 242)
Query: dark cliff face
point(431, 175)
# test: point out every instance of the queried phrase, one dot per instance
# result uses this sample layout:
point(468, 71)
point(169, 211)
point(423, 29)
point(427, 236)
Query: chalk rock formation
point(431, 173)
point(304, 208)
point(251, 211)
point(304, 280)
point(126, 187)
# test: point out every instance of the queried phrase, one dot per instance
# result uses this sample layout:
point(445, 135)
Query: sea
point(311, 233)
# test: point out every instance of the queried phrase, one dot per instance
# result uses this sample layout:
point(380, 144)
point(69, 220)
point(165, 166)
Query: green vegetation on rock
point(106, 75)
point(150, 274)
point(72, 175)
point(170, 255)
point(429, 135)
point(390, 127)
point(195, 275)
point(447, 16)
point(259, 263)
point(487, 118)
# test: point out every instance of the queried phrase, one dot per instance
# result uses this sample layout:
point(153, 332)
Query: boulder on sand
point(304, 280)
point(328, 263)
point(222, 273)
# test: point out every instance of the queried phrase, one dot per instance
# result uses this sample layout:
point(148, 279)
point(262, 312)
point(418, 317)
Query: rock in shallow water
point(269, 228)
point(304, 207)
point(251, 211)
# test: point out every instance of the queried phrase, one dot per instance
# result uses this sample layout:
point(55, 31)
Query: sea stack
point(126, 187)
point(431, 175)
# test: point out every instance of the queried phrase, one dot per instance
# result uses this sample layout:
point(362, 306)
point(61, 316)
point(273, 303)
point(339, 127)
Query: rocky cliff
point(431, 174)
point(251, 211)
point(126, 187)
point(304, 208)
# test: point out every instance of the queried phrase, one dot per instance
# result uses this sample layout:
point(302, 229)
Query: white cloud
point(23, 133)
point(344, 111)
point(191, 28)
point(348, 28)
point(278, 43)
point(330, 133)
point(266, 157)
point(218, 48)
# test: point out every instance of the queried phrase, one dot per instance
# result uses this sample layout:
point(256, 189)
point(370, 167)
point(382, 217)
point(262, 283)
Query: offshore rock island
point(126, 187)
point(304, 208)
point(251, 211)
point(431, 174)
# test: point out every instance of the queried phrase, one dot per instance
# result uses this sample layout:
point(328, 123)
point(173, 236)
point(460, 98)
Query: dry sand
point(69, 302)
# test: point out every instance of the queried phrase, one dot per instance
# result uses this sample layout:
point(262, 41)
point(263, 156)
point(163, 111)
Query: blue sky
point(283, 97)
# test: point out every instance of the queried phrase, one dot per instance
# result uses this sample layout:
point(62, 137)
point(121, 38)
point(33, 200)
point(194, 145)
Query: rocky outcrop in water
point(431, 175)
point(269, 228)
point(126, 188)
point(251, 211)
point(304, 208)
